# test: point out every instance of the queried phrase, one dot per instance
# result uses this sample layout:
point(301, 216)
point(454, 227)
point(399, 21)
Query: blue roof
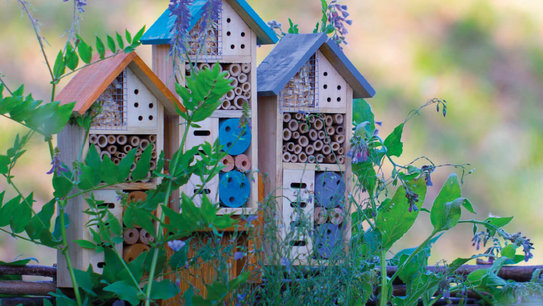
point(160, 31)
point(293, 51)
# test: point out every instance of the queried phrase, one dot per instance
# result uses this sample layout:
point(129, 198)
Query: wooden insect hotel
point(306, 87)
point(133, 102)
point(231, 42)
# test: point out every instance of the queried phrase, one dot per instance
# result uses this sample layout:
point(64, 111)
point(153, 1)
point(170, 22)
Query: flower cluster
point(527, 245)
point(337, 17)
point(179, 9)
point(359, 150)
point(427, 171)
point(211, 11)
point(277, 27)
point(176, 245)
point(79, 4)
point(57, 167)
point(412, 199)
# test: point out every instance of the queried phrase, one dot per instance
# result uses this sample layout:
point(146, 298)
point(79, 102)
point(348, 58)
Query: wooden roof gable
point(90, 82)
point(293, 51)
point(160, 31)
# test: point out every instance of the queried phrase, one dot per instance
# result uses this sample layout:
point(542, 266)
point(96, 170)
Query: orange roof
point(90, 82)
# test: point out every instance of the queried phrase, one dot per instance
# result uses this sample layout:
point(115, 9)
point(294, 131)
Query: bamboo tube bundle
point(318, 145)
point(116, 160)
point(303, 128)
point(339, 118)
point(243, 164)
point(111, 139)
point(152, 138)
point(146, 237)
point(131, 236)
point(234, 69)
point(202, 66)
point(330, 159)
point(101, 141)
point(298, 149)
point(320, 158)
point(303, 141)
point(285, 148)
point(293, 125)
point(330, 131)
point(302, 158)
point(340, 130)
point(242, 78)
point(318, 124)
point(290, 146)
point(154, 155)
point(134, 141)
point(293, 158)
point(226, 104)
point(247, 95)
point(228, 163)
point(326, 149)
point(335, 146)
point(238, 91)
point(341, 159)
point(286, 157)
point(313, 135)
point(246, 87)
point(310, 150)
point(220, 66)
point(341, 151)
point(322, 135)
point(239, 102)
point(299, 116)
point(286, 117)
point(120, 155)
point(328, 120)
point(112, 149)
point(127, 148)
point(121, 140)
point(234, 82)
point(296, 135)
point(287, 134)
point(152, 165)
point(230, 95)
point(338, 138)
point(245, 67)
point(93, 139)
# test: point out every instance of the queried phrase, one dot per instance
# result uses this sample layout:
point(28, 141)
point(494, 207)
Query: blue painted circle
point(231, 137)
point(329, 189)
point(234, 189)
point(327, 240)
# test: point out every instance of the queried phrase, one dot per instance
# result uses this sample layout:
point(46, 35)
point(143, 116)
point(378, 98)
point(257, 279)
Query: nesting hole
point(202, 133)
point(136, 91)
point(136, 105)
point(140, 118)
point(228, 33)
point(228, 20)
point(298, 185)
point(151, 117)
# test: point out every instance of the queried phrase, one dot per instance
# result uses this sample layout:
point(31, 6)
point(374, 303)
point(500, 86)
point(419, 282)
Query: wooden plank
point(236, 35)
point(254, 149)
point(265, 35)
point(267, 143)
point(361, 87)
point(332, 86)
point(314, 167)
point(349, 178)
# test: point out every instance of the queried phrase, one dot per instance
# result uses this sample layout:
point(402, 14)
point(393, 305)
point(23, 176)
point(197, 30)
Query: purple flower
point(337, 17)
point(176, 245)
point(211, 12)
point(359, 151)
point(239, 255)
point(412, 199)
point(285, 262)
point(427, 171)
point(57, 167)
point(250, 219)
point(179, 9)
point(79, 4)
point(276, 27)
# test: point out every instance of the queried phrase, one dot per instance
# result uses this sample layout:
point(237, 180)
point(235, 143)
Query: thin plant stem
point(66, 253)
point(383, 299)
point(163, 217)
point(5, 85)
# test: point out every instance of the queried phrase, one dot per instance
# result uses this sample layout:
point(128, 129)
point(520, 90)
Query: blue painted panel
point(234, 189)
point(159, 32)
point(285, 60)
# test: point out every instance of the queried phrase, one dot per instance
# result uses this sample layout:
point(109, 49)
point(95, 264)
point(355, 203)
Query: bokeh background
point(485, 57)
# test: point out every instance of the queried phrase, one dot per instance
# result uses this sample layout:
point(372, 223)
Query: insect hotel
point(230, 42)
point(133, 103)
point(306, 87)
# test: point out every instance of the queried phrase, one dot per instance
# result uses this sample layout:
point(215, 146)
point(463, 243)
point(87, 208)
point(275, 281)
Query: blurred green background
point(484, 57)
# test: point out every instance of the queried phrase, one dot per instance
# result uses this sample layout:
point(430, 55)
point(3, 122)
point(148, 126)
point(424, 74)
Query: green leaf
point(84, 280)
point(362, 112)
point(136, 216)
point(209, 212)
point(498, 221)
point(111, 44)
point(138, 35)
point(143, 165)
point(179, 258)
point(85, 51)
point(71, 58)
point(59, 68)
point(128, 36)
point(393, 142)
point(42, 221)
point(100, 48)
point(163, 290)
point(4, 164)
point(62, 186)
point(125, 291)
point(109, 172)
point(393, 218)
point(120, 41)
point(509, 251)
point(126, 164)
point(19, 262)
point(23, 216)
point(89, 178)
point(86, 244)
point(446, 211)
